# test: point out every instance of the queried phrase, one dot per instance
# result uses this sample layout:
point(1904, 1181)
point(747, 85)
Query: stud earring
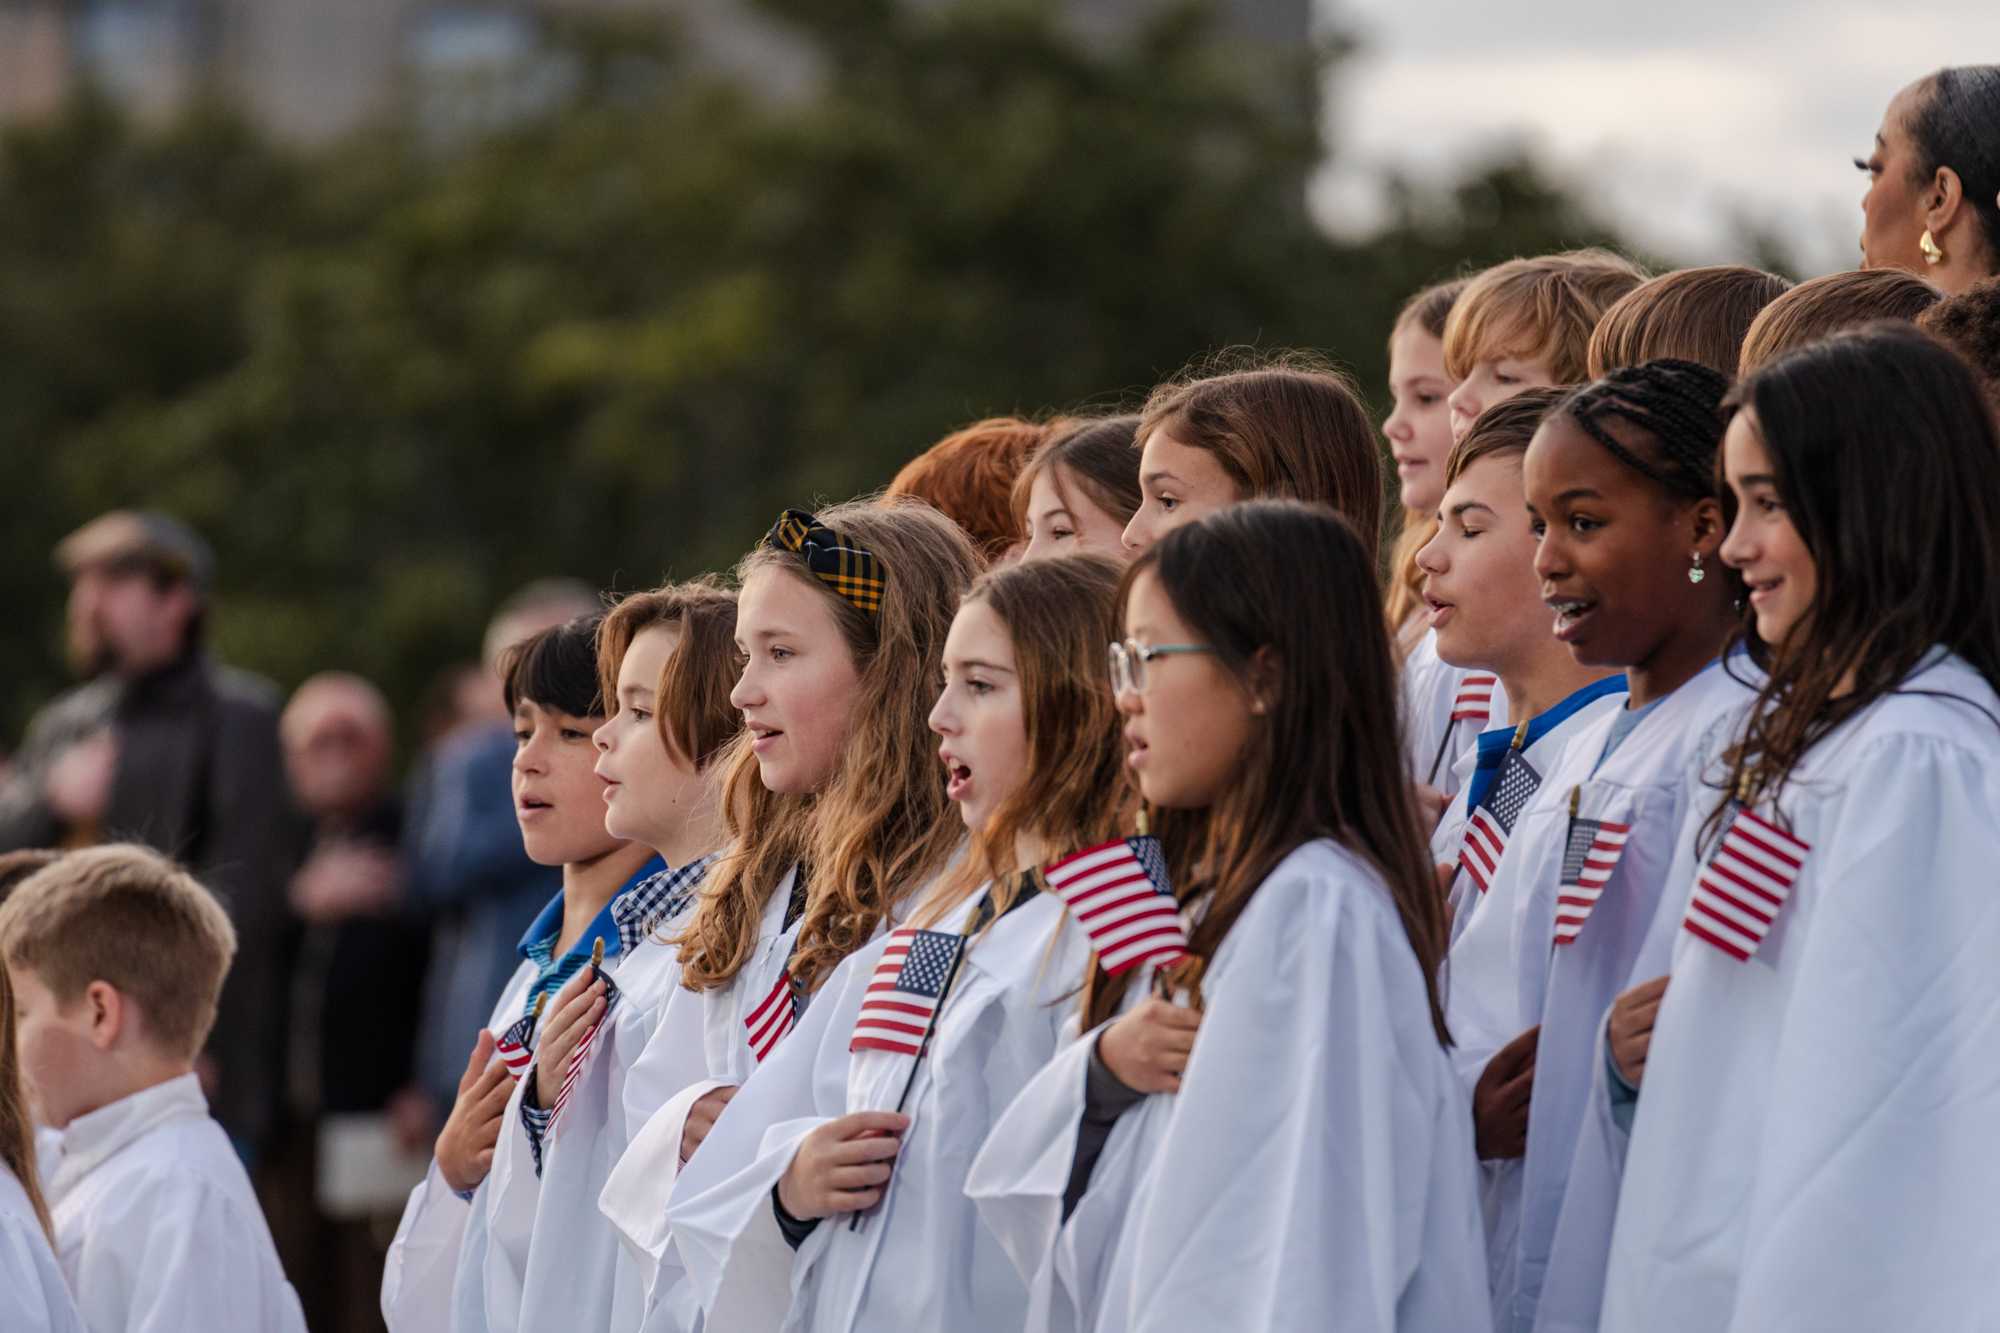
point(1932, 254)
point(1695, 572)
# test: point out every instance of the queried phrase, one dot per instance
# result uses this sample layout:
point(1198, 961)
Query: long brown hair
point(1093, 454)
point(1327, 762)
point(1060, 615)
point(17, 1127)
point(691, 698)
point(881, 827)
point(1691, 314)
point(1884, 457)
point(1820, 307)
point(1426, 310)
point(1288, 427)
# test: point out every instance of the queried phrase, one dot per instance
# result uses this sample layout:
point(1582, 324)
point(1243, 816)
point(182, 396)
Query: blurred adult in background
point(462, 851)
point(1933, 201)
point(969, 475)
point(163, 745)
point(360, 976)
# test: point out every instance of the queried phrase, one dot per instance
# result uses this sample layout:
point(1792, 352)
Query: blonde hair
point(129, 917)
point(880, 828)
point(1059, 615)
point(1542, 309)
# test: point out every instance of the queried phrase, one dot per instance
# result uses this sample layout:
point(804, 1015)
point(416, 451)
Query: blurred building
point(308, 70)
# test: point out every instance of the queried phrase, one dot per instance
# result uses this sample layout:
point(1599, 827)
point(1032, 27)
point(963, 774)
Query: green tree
point(613, 338)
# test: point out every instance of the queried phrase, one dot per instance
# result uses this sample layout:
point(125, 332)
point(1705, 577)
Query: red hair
point(969, 477)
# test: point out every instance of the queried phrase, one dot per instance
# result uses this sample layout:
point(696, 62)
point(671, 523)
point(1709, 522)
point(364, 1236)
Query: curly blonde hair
point(880, 828)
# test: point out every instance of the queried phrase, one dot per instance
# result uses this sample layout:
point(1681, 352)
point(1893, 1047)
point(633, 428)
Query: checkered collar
point(657, 899)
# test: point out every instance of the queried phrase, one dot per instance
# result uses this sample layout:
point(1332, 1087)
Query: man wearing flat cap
point(164, 746)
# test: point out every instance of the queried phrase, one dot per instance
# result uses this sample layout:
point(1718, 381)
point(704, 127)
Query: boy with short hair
point(117, 957)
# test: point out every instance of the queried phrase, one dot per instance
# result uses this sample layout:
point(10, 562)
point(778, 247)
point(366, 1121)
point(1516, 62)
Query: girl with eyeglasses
point(1314, 1167)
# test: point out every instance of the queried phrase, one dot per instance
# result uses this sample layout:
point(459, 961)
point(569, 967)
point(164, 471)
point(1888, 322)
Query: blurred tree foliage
point(612, 337)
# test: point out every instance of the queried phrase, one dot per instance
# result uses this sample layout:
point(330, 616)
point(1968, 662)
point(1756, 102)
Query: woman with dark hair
point(1813, 1147)
point(1933, 200)
point(1312, 1165)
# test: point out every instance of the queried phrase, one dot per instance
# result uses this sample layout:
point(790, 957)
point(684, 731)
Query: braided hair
point(1678, 403)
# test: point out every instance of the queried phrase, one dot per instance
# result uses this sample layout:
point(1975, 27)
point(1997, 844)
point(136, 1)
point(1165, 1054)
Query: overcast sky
point(1676, 118)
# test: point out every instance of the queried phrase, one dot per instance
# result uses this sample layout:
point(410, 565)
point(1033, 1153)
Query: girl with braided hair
point(1620, 488)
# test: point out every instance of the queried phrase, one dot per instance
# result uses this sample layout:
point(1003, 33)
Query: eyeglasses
point(1129, 659)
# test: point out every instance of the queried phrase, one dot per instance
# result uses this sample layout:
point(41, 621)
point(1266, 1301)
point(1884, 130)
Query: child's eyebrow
point(1461, 509)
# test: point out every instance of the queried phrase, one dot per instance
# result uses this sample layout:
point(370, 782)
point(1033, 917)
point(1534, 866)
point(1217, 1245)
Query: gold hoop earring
point(1932, 254)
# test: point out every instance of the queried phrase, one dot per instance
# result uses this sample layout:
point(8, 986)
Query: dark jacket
point(200, 777)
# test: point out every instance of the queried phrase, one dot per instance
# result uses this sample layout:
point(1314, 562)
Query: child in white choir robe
point(34, 1296)
point(1812, 1142)
point(1619, 482)
point(665, 659)
point(1485, 609)
point(841, 625)
point(435, 1274)
point(874, 1111)
point(1521, 325)
point(1312, 1166)
point(116, 958)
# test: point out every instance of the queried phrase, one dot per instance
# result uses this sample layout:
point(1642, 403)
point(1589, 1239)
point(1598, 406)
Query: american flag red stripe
point(1588, 864)
point(582, 1051)
point(1485, 842)
point(1737, 896)
point(1118, 893)
point(903, 995)
point(515, 1047)
point(1474, 701)
point(771, 1019)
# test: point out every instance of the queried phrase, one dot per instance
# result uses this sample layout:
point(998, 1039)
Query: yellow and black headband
point(856, 574)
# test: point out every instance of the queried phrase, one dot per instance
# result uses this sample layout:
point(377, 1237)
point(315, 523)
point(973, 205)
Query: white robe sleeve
point(33, 1296)
point(1312, 1174)
point(422, 1264)
point(1023, 1169)
point(1877, 1176)
point(738, 1263)
point(495, 1247)
point(176, 1254)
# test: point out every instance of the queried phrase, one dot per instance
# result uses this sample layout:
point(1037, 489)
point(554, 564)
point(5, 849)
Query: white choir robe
point(1813, 1145)
point(1315, 1170)
point(921, 1258)
point(421, 1274)
point(700, 1043)
point(34, 1295)
point(1544, 750)
point(1567, 988)
point(1433, 743)
point(157, 1227)
point(552, 1257)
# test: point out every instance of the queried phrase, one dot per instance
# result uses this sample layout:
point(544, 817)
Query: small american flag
point(1474, 702)
point(1592, 854)
point(1119, 894)
point(582, 1051)
point(903, 996)
point(1492, 820)
point(516, 1046)
point(1739, 891)
point(772, 1018)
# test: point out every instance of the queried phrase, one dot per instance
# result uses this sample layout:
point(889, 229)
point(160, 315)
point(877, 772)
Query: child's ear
point(1708, 529)
point(104, 1006)
point(1263, 680)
